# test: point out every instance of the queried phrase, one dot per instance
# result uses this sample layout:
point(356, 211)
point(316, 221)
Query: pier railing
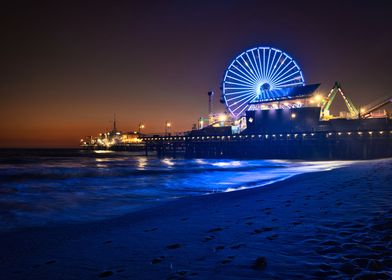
point(305, 145)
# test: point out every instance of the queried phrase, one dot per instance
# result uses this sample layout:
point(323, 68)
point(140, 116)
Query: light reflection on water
point(77, 187)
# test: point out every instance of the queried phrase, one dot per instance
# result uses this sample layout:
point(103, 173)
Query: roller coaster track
point(367, 110)
point(354, 113)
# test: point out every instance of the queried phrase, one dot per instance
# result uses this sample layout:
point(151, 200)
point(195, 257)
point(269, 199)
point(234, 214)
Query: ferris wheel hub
point(265, 86)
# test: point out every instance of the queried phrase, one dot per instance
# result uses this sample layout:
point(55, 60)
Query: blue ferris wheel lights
point(255, 74)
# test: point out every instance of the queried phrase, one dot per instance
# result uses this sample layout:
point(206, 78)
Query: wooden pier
point(312, 145)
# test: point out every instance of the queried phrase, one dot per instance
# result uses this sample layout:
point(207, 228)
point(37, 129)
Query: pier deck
point(312, 145)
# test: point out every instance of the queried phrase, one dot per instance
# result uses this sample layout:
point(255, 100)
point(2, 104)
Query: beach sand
point(326, 225)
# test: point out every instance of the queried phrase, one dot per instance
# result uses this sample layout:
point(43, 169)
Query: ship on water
point(271, 113)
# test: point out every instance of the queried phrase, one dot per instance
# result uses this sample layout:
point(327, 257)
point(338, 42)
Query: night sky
point(67, 67)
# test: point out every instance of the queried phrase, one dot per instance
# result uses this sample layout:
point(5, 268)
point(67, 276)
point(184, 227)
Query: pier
point(312, 145)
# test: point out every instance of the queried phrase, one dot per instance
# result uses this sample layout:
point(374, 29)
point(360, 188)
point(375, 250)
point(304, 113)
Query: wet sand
point(326, 225)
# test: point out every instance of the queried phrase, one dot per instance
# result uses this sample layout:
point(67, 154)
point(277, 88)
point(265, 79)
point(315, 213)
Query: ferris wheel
point(255, 75)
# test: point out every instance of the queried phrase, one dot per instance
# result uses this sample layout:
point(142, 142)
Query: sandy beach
point(326, 225)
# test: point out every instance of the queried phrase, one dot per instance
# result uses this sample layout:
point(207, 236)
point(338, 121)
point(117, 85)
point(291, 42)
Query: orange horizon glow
point(67, 67)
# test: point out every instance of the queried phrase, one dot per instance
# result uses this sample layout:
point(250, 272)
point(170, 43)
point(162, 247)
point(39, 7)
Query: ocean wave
point(40, 188)
point(12, 175)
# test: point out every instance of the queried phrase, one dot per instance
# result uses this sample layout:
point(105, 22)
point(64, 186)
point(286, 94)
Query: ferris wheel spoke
point(244, 108)
point(237, 92)
point(257, 67)
point(292, 84)
point(240, 96)
point(296, 71)
point(242, 81)
point(238, 88)
point(287, 81)
point(240, 76)
point(264, 67)
point(247, 68)
point(260, 66)
point(284, 75)
point(243, 102)
point(253, 67)
point(267, 67)
point(237, 98)
point(245, 75)
point(277, 66)
point(278, 75)
point(245, 99)
point(272, 63)
point(239, 84)
point(283, 65)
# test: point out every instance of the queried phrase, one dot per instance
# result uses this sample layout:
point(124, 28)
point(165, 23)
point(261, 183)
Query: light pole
point(167, 127)
point(141, 126)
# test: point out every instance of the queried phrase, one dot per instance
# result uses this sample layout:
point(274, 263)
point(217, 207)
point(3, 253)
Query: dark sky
point(67, 66)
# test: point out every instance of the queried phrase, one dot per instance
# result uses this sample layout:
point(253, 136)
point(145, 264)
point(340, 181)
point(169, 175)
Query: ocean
point(50, 187)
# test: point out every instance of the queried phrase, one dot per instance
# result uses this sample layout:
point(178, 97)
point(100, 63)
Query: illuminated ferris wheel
point(256, 75)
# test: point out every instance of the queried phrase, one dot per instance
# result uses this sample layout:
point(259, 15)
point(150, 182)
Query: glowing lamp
point(318, 97)
point(293, 115)
point(222, 117)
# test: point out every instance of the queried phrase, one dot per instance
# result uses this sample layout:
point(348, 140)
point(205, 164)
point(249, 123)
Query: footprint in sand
point(272, 237)
point(157, 260)
point(215, 229)
point(173, 246)
point(267, 211)
point(259, 264)
point(238, 246)
point(229, 259)
point(152, 229)
point(208, 238)
point(106, 273)
point(261, 230)
point(182, 274)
